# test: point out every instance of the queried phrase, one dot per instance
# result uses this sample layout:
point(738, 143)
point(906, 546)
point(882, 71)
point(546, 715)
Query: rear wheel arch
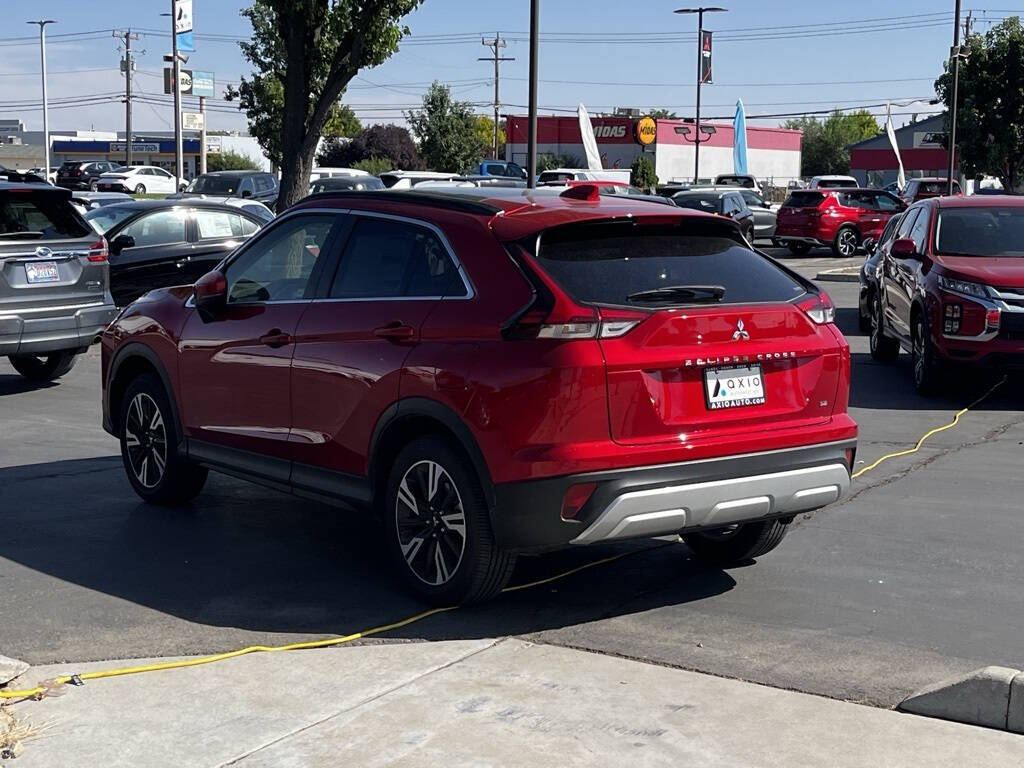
point(132, 361)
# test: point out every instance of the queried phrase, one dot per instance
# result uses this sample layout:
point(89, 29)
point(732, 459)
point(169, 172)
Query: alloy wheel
point(431, 522)
point(145, 437)
point(846, 243)
point(920, 354)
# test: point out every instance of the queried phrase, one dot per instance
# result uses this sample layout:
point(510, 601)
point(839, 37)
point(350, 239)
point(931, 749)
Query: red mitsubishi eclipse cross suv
point(494, 372)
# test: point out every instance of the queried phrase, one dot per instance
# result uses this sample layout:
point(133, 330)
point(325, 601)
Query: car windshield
point(214, 185)
point(935, 187)
point(980, 232)
point(103, 219)
point(609, 263)
point(45, 216)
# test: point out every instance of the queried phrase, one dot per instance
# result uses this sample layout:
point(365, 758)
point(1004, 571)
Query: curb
point(992, 697)
point(838, 276)
point(11, 669)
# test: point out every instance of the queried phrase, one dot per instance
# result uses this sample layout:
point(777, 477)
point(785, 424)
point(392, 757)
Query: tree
point(990, 109)
point(547, 162)
point(825, 143)
point(642, 174)
point(342, 122)
point(380, 142)
point(374, 165)
point(230, 161)
point(484, 130)
point(446, 130)
point(304, 54)
point(663, 114)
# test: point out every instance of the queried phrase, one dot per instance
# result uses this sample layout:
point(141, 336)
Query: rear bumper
point(112, 187)
point(73, 183)
point(673, 498)
point(53, 329)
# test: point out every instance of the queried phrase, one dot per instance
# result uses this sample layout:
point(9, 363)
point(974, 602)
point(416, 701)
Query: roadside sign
point(705, 56)
point(184, 81)
point(192, 121)
point(645, 131)
point(183, 26)
point(203, 84)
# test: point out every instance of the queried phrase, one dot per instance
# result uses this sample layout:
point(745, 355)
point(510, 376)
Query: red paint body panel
point(823, 222)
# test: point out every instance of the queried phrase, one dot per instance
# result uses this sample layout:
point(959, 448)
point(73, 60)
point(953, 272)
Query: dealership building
point(773, 154)
point(874, 164)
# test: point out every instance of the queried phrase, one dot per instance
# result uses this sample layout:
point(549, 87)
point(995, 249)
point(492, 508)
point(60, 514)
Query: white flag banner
point(901, 179)
point(589, 141)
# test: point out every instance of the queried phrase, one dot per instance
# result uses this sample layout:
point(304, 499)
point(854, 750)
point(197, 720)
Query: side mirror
point(869, 245)
point(905, 248)
point(121, 242)
point(211, 294)
point(246, 193)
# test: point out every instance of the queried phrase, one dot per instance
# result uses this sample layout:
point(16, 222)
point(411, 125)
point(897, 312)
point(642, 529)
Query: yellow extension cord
point(57, 684)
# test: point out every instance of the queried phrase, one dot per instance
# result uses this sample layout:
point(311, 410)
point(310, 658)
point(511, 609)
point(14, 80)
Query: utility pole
point(531, 151)
point(128, 67)
point(954, 53)
point(179, 172)
point(202, 135)
point(46, 108)
point(496, 43)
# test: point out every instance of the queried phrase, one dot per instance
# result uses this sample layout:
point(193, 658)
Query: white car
point(140, 180)
point(562, 175)
point(330, 173)
point(833, 182)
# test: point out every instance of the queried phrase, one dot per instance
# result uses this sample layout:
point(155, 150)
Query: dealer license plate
point(733, 387)
point(42, 272)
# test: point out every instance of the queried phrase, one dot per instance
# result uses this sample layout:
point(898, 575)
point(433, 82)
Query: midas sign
point(609, 131)
point(646, 130)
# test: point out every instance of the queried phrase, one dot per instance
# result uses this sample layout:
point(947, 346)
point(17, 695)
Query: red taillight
point(575, 498)
point(819, 308)
point(98, 251)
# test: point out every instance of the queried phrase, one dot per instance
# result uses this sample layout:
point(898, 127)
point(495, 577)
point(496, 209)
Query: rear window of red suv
point(608, 263)
point(803, 200)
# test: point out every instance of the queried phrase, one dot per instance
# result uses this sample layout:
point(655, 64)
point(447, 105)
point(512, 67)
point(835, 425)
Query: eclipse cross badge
point(43, 252)
point(740, 334)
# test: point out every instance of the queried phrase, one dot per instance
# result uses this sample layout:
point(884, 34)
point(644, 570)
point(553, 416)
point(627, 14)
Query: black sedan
point(870, 272)
point(159, 243)
point(724, 203)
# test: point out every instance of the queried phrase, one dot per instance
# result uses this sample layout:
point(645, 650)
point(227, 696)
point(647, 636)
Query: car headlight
point(963, 287)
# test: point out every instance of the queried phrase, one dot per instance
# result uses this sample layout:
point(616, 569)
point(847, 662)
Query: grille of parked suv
point(1011, 326)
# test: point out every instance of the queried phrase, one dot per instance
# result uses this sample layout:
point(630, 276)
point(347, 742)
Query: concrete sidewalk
point(479, 702)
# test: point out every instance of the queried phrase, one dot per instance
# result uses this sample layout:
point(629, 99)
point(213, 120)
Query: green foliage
point(374, 165)
point(446, 130)
point(342, 122)
point(484, 130)
point(663, 114)
point(548, 162)
point(230, 161)
point(304, 53)
point(824, 147)
point(990, 113)
point(641, 173)
point(391, 143)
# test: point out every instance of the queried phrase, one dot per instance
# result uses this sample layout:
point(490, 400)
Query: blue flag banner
point(739, 142)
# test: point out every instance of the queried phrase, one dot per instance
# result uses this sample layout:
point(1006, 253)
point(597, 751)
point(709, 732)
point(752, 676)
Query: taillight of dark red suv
point(840, 219)
point(495, 372)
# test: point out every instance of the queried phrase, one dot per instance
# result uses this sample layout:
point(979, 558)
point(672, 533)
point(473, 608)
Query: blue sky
point(777, 64)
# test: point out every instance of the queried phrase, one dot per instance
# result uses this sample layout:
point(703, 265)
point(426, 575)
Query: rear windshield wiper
point(21, 234)
point(671, 293)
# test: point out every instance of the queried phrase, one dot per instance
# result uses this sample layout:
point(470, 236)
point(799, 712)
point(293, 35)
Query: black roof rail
point(463, 203)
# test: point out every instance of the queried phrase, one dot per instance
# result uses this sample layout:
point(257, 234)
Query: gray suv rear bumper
point(32, 331)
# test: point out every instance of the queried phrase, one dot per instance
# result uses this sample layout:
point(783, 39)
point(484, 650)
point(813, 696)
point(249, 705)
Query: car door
point(909, 270)
point(895, 300)
point(165, 181)
point(352, 343)
point(235, 367)
point(145, 253)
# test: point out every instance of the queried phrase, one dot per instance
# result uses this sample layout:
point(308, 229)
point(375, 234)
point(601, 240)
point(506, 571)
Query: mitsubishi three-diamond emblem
point(740, 333)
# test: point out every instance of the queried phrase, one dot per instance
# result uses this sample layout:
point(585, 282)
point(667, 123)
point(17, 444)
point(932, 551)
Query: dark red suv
point(838, 218)
point(951, 287)
point(494, 371)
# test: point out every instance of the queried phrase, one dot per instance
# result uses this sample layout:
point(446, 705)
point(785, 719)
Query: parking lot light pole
point(700, 11)
point(531, 142)
point(955, 64)
point(46, 109)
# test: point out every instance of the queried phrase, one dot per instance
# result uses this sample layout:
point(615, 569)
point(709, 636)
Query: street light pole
point(46, 107)
point(955, 54)
point(531, 147)
point(176, 74)
point(700, 11)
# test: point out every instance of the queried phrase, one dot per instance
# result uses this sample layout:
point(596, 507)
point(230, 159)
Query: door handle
point(396, 331)
point(180, 263)
point(275, 338)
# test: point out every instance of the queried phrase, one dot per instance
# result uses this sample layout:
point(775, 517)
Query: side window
point(146, 172)
point(920, 230)
point(279, 266)
point(161, 172)
point(907, 224)
point(246, 227)
point(886, 203)
point(246, 185)
point(386, 259)
point(214, 224)
point(262, 184)
point(158, 228)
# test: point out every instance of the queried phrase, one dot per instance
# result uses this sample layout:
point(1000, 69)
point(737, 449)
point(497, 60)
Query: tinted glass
point(752, 198)
point(605, 263)
point(247, 227)
point(214, 224)
point(920, 230)
point(890, 229)
point(215, 185)
point(835, 184)
point(709, 203)
point(980, 232)
point(934, 187)
point(279, 266)
point(263, 184)
point(886, 203)
point(907, 223)
point(864, 201)
point(158, 228)
point(385, 258)
point(38, 217)
point(803, 200)
point(105, 217)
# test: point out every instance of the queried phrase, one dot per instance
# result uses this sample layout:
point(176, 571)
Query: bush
point(230, 161)
point(547, 162)
point(642, 175)
point(381, 142)
point(374, 165)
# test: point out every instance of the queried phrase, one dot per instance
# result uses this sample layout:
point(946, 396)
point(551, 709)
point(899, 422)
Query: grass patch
point(150, 196)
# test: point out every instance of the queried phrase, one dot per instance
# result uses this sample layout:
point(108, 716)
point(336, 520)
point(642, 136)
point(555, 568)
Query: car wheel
point(883, 348)
point(846, 243)
point(93, 186)
point(140, 189)
point(149, 438)
point(44, 367)
point(864, 315)
point(926, 368)
point(737, 543)
point(439, 527)
point(798, 249)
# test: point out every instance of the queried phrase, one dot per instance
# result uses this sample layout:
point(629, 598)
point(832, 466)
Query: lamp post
point(954, 54)
point(700, 11)
point(46, 109)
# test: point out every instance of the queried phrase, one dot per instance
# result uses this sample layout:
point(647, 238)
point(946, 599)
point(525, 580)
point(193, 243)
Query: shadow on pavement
point(14, 384)
point(247, 557)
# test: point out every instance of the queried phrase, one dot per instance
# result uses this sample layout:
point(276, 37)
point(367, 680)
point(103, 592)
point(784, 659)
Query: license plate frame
point(42, 272)
point(744, 387)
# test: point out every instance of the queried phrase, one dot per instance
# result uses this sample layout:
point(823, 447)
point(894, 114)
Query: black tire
point(798, 249)
point(737, 544)
point(883, 348)
point(44, 367)
point(927, 370)
point(846, 242)
point(445, 567)
point(140, 189)
point(154, 468)
point(93, 186)
point(864, 320)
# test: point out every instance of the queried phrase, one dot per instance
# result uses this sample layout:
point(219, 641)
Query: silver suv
point(54, 280)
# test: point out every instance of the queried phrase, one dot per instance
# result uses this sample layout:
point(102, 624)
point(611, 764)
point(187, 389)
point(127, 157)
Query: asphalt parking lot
point(912, 578)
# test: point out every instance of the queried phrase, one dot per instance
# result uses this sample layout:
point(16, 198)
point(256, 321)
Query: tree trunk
point(294, 168)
